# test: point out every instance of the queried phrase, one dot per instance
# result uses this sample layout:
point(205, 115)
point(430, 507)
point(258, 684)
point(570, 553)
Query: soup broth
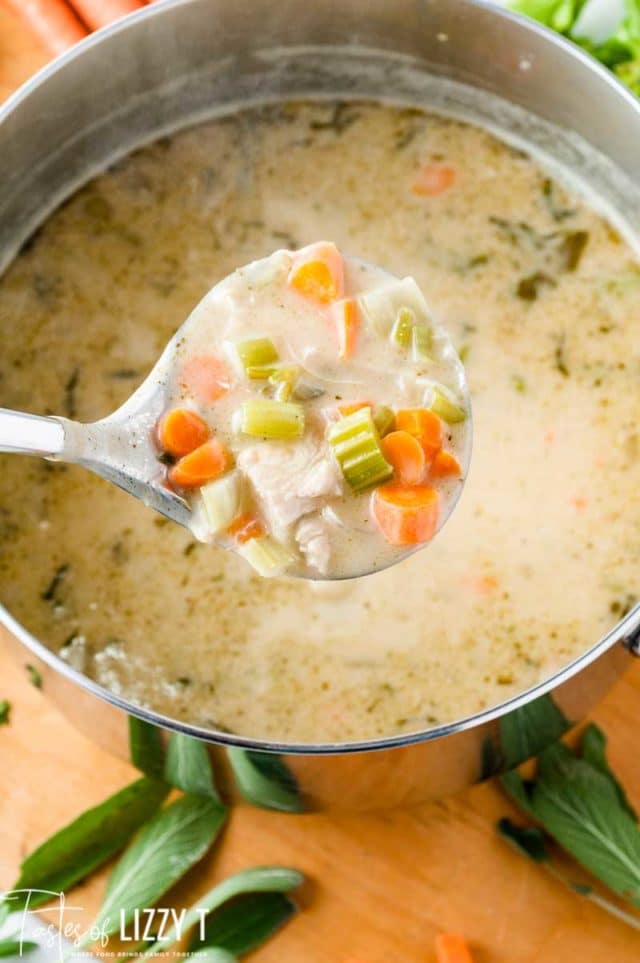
point(539, 558)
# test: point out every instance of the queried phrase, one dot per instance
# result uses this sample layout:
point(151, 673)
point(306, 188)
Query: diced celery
point(445, 408)
point(222, 500)
point(265, 418)
point(421, 342)
point(260, 372)
point(380, 306)
point(266, 556)
point(403, 327)
point(383, 418)
point(284, 378)
point(356, 445)
point(256, 353)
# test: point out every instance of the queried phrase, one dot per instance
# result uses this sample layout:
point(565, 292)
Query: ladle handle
point(31, 434)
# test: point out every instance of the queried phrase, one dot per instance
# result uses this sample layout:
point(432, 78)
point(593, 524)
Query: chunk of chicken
point(290, 479)
point(312, 536)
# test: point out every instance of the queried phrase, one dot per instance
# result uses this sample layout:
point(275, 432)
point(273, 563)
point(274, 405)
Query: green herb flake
point(529, 288)
point(5, 712)
point(519, 384)
point(35, 677)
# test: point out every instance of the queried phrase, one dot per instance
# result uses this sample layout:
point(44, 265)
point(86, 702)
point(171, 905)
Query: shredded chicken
point(290, 479)
point(312, 536)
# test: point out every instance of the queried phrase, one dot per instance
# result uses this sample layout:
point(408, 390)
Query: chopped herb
point(622, 607)
point(191, 547)
point(70, 394)
point(5, 712)
point(572, 249)
point(34, 676)
point(521, 233)
point(123, 374)
point(342, 116)
point(528, 288)
point(50, 594)
point(519, 384)
point(557, 212)
point(560, 357)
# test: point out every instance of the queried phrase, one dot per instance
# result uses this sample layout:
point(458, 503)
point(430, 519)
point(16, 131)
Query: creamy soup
point(316, 416)
point(539, 558)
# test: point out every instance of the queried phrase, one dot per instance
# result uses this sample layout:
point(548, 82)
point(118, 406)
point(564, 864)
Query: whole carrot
point(52, 20)
point(98, 13)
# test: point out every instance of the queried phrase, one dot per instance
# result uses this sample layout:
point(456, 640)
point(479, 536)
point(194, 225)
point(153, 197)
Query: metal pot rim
point(622, 632)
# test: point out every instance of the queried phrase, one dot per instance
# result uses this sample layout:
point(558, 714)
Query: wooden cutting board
point(380, 886)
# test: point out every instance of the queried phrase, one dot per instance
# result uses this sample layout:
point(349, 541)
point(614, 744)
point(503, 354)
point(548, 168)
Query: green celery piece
point(260, 372)
point(403, 327)
point(383, 419)
point(421, 342)
point(284, 377)
point(264, 418)
point(356, 445)
point(256, 352)
point(446, 409)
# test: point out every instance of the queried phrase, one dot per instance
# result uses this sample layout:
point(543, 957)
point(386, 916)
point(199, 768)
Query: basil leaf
point(245, 922)
point(528, 730)
point(145, 747)
point(16, 948)
point(264, 780)
point(188, 766)
point(578, 805)
point(526, 839)
point(87, 842)
point(594, 746)
point(260, 879)
point(162, 852)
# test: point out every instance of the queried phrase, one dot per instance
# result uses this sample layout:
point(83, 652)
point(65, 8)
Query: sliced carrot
point(423, 425)
point(98, 13)
point(181, 430)
point(350, 407)
point(405, 453)
point(317, 272)
point(205, 378)
point(433, 179)
point(347, 321)
point(406, 514)
point(200, 466)
point(245, 527)
point(452, 948)
point(53, 22)
point(445, 465)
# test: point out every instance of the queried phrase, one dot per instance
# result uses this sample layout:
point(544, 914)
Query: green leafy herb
point(527, 839)
point(89, 841)
point(34, 676)
point(145, 747)
point(5, 712)
point(579, 802)
point(528, 288)
point(261, 879)
point(188, 766)
point(171, 843)
point(264, 780)
point(572, 248)
point(16, 947)
point(620, 50)
point(530, 729)
point(245, 922)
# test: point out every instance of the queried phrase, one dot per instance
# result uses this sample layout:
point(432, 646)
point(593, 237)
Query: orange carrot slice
point(350, 407)
point(407, 515)
point(200, 466)
point(98, 13)
point(53, 22)
point(433, 179)
point(205, 378)
point(445, 465)
point(407, 456)
point(423, 425)
point(181, 430)
point(245, 527)
point(452, 948)
point(317, 272)
point(347, 320)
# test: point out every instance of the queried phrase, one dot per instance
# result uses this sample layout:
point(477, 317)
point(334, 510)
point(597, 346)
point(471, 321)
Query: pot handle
point(27, 434)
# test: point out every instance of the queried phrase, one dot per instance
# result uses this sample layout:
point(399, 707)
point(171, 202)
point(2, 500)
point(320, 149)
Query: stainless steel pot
point(180, 61)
